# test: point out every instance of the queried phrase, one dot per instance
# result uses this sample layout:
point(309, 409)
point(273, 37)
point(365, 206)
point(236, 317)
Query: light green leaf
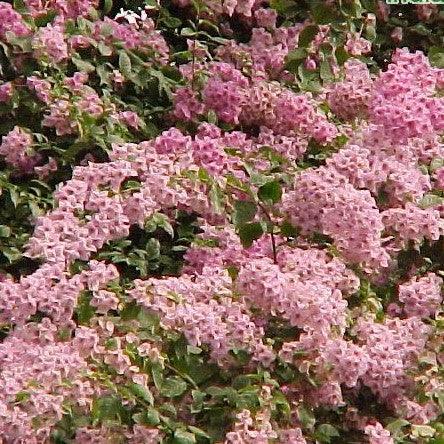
point(307, 35)
point(5, 231)
point(183, 437)
point(125, 64)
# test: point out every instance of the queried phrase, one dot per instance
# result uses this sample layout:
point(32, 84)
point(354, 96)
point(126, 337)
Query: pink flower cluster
point(11, 21)
point(352, 216)
point(69, 9)
point(236, 99)
point(350, 98)
point(404, 100)
point(16, 149)
point(421, 296)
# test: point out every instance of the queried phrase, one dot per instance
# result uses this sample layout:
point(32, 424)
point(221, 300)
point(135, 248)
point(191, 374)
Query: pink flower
point(6, 91)
point(11, 21)
point(129, 118)
point(49, 44)
point(16, 147)
point(356, 45)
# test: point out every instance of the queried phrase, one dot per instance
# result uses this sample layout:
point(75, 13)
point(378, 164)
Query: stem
point(273, 240)
point(193, 64)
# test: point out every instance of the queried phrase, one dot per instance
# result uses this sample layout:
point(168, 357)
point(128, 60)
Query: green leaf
point(322, 13)
point(187, 32)
point(23, 42)
point(170, 21)
point(106, 408)
point(153, 249)
point(22, 397)
point(44, 19)
point(216, 197)
point(325, 432)
point(306, 417)
point(281, 404)
point(173, 387)
point(20, 6)
point(82, 65)
point(194, 350)
point(436, 56)
point(310, 80)
point(84, 311)
point(436, 164)
point(430, 200)
point(105, 50)
point(107, 6)
point(159, 220)
point(325, 71)
point(183, 437)
point(150, 417)
point(395, 426)
point(341, 55)
point(422, 431)
point(14, 196)
point(295, 58)
point(271, 191)
point(288, 229)
point(141, 392)
point(199, 432)
point(283, 6)
point(307, 35)
point(156, 373)
point(5, 231)
point(11, 253)
point(249, 232)
point(244, 211)
point(125, 64)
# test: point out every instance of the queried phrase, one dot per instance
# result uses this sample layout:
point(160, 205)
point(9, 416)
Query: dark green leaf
point(244, 211)
point(307, 35)
point(270, 192)
point(44, 19)
point(249, 232)
point(283, 6)
point(84, 311)
point(106, 408)
point(322, 13)
point(288, 229)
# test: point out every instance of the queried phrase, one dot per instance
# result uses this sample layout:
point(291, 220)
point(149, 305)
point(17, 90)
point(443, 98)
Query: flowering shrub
point(221, 222)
